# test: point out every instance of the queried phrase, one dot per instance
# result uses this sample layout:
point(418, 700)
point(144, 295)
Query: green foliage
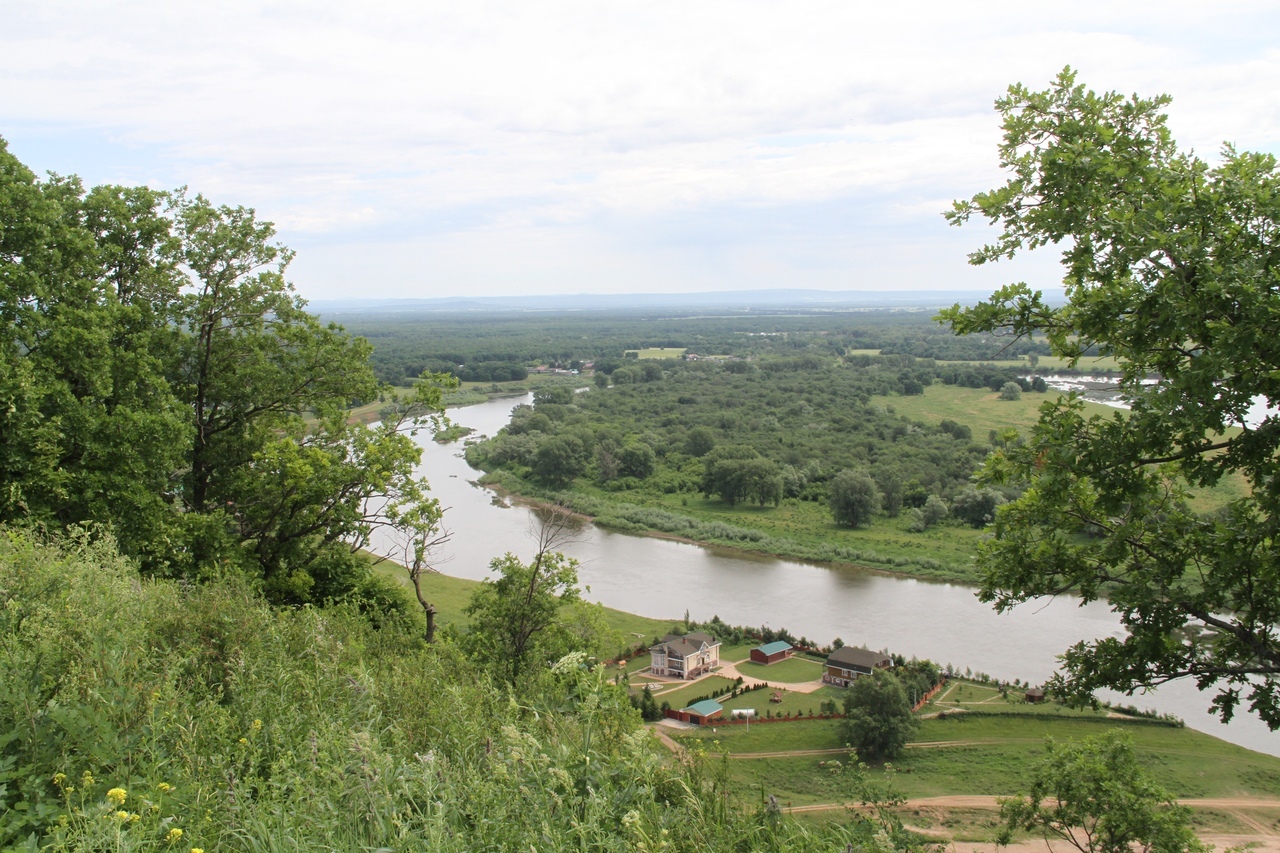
point(854, 498)
point(160, 379)
point(1094, 796)
point(1170, 269)
point(976, 507)
point(247, 727)
point(878, 720)
point(1010, 391)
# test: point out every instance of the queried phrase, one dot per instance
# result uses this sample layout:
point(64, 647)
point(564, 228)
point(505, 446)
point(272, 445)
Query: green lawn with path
point(793, 670)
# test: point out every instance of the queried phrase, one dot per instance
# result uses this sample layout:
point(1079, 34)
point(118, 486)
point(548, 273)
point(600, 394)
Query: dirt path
point(1265, 837)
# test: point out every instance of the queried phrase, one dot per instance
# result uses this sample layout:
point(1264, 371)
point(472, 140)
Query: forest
point(406, 344)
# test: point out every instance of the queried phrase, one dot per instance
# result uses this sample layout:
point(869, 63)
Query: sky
point(473, 148)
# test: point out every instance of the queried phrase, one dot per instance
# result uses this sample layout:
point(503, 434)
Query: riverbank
point(795, 530)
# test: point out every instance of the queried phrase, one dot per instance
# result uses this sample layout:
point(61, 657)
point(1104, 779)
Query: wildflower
point(121, 816)
point(173, 835)
point(86, 779)
point(164, 787)
point(244, 741)
point(134, 818)
point(197, 850)
point(59, 779)
point(117, 796)
point(256, 725)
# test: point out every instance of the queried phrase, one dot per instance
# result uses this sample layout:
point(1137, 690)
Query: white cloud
point(456, 126)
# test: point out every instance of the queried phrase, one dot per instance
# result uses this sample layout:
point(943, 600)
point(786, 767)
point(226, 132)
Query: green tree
point(1173, 269)
point(976, 507)
point(877, 717)
point(532, 614)
point(90, 430)
point(854, 498)
point(636, 459)
point(558, 459)
point(699, 442)
point(1094, 796)
point(1010, 391)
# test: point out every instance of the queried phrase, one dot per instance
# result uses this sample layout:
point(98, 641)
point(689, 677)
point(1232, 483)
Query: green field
point(657, 352)
point(979, 755)
point(790, 671)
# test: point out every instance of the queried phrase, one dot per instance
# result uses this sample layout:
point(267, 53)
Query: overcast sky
point(496, 148)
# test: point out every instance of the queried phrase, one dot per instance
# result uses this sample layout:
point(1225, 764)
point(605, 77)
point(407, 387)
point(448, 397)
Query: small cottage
point(772, 652)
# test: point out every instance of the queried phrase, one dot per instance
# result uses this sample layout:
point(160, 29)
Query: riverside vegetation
point(195, 652)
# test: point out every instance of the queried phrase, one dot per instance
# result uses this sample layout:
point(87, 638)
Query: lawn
point(658, 352)
point(683, 697)
point(992, 756)
point(793, 670)
point(792, 701)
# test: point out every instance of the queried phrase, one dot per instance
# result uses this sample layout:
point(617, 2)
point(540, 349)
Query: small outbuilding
point(1035, 694)
point(772, 652)
point(702, 713)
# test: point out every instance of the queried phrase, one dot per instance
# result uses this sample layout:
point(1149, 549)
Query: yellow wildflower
point(59, 779)
point(86, 779)
point(117, 796)
point(244, 741)
point(121, 816)
point(197, 850)
point(257, 725)
point(164, 787)
point(173, 835)
point(134, 817)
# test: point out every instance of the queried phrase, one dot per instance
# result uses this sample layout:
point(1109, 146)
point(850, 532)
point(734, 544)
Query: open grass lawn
point(993, 757)
point(683, 697)
point(977, 408)
point(658, 352)
point(790, 671)
point(756, 737)
point(972, 696)
point(796, 703)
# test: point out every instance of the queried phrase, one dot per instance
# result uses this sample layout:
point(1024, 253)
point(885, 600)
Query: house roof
point(705, 708)
point(774, 647)
point(851, 656)
point(688, 644)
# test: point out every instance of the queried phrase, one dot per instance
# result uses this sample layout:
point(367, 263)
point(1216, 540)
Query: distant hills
point(720, 301)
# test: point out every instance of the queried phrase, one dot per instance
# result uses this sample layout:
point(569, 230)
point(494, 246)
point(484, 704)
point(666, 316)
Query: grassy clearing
point(793, 670)
point(793, 702)
point(658, 352)
point(747, 739)
point(989, 757)
point(683, 697)
point(977, 408)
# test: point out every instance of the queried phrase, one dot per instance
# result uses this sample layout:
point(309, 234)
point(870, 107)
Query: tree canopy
point(878, 721)
point(1172, 267)
point(1095, 796)
point(160, 379)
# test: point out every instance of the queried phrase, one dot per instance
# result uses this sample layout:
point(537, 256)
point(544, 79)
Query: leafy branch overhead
point(1171, 266)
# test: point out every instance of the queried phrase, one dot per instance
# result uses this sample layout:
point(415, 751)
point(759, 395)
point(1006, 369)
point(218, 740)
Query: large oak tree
point(1172, 267)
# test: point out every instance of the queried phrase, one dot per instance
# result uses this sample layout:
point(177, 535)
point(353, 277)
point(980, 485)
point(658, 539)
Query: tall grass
point(151, 715)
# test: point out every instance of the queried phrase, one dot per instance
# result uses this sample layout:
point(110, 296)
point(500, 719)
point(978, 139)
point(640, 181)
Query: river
point(662, 579)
